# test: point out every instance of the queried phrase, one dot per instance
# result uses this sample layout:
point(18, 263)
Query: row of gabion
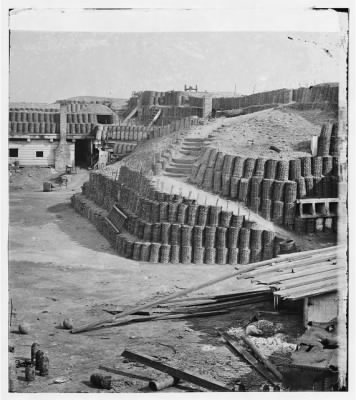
point(33, 127)
point(82, 128)
point(121, 132)
point(199, 236)
point(213, 161)
point(176, 211)
point(328, 141)
point(174, 254)
point(102, 189)
point(81, 118)
point(311, 225)
point(179, 253)
point(24, 116)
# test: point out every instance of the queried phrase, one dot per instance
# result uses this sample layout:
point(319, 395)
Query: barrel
point(47, 186)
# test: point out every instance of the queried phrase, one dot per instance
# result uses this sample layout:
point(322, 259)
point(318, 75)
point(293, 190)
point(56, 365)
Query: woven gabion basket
point(202, 215)
point(209, 236)
point(156, 232)
point(254, 204)
point(198, 236)
point(165, 251)
point(306, 165)
point(318, 186)
point(136, 254)
point(208, 179)
point(278, 212)
point(221, 236)
point(165, 232)
point(266, 209)
point(309, 186)
point(225, 218)
point(182, 213)
point(256, 239)
point(301, 188)
point(221, 255)
point(232, 237)
point(244, 256)
point(210, 255)
point(278, 190)
point(234, 186)
point(212, 158)
point(163, 211)
point(192, 214)
point(243, 190)
point(154, 252)
point(327, 165)
point(186, 254)
point(237, 221)
point(317, 166)
point(244, 238)
point(282, 170)
point(290, 191)
point(219, 161)
point(175, 234)
point(295, 169)
point(267, 189)
point(255, 190)
point(260, 167)
point(145, 252)
point(225, 184)
point(198, 255)
point(267, 252)
point(256, 255)
point(186, 235)
point(271, 169)
point(228, 165)
point(238, 167)
point(217, 181)
point(147, 232)
point(233, 256)
point(214, 215)
point(249, 167)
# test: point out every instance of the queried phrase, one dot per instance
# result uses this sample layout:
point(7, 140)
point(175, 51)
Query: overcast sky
point(46, 66)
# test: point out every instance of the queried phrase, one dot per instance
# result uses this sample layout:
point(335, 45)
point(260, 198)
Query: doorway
point(104, 119)
point(83, 152)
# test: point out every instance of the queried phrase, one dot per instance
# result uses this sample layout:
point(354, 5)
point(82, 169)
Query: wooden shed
point(37, 152)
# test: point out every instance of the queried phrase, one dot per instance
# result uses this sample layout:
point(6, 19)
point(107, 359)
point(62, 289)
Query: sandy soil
point(251, 135)
point(60, 267)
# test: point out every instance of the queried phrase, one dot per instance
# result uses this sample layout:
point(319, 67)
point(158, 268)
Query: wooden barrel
point(47, 186)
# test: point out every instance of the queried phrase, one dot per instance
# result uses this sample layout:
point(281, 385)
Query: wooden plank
point(287, 284)
point(319, 200)
point(205, 382)
point(142, 307)
point(307, 286)
point(270, 279)
point(238, 350)
point(286, 265)
point(310, 293)
point(262, 358)
point(279, 275)
point(227, 305)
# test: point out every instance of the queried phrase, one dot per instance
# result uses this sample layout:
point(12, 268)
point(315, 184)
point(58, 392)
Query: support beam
point(205, 382)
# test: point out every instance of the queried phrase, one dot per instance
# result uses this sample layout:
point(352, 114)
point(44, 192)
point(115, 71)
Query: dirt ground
point(252, 135)
point(60, 267)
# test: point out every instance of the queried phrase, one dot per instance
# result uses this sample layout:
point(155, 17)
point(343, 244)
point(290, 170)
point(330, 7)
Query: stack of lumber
point(251, 271)
point(319, 272)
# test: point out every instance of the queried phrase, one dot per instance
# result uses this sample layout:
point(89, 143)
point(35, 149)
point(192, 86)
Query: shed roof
point(97, 109)
point(305, 278)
